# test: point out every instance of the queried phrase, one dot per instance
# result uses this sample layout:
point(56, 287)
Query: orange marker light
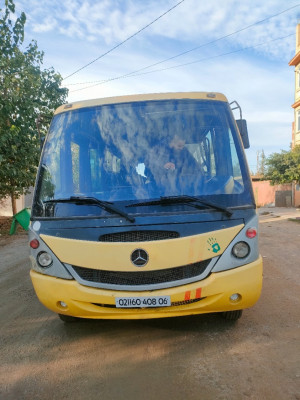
point(187, 295)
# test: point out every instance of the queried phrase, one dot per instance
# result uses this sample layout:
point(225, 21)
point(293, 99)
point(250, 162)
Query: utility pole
point(257, 162)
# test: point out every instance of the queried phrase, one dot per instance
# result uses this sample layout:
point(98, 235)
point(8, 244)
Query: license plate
point(143, 302)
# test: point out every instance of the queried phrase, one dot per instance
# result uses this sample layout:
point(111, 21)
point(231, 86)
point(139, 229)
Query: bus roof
point(141, 97)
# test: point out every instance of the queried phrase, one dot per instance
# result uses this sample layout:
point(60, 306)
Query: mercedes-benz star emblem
point(139, 257)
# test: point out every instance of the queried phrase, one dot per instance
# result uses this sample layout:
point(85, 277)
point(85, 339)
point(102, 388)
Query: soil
point(199, 357)
point(5, 225)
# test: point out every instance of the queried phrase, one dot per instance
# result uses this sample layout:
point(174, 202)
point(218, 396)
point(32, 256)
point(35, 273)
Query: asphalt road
point(199, 357)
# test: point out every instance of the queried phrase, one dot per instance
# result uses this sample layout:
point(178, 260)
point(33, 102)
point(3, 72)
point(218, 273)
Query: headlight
point(44, 259)
point(241, 250)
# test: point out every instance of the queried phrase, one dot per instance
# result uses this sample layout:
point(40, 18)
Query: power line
point(183, 65)
point(124, 41)
point(193, 49)
point(216, 56)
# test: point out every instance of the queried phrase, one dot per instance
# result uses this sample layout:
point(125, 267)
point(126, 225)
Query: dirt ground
point(202, 357)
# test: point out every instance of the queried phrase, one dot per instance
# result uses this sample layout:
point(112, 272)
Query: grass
point(297, 220)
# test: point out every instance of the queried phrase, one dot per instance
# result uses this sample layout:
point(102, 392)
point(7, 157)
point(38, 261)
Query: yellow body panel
point(162, 254)
point(214, 295)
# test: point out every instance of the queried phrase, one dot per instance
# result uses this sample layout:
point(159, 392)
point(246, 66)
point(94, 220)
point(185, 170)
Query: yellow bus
point(143, 208)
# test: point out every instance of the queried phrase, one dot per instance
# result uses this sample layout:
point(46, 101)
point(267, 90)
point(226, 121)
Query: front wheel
point(232, 315)
point(67, 318)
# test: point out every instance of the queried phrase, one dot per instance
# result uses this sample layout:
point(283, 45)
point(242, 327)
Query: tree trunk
point(13, 204)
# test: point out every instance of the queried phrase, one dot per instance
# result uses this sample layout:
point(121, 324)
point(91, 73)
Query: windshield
point(144, 150)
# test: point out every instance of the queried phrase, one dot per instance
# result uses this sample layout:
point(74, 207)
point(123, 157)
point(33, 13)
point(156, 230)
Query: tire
point(67, 318)
point(232, 315)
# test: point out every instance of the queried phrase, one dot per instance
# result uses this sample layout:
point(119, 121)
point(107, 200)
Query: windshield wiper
point(106, 205)
point(184, 199)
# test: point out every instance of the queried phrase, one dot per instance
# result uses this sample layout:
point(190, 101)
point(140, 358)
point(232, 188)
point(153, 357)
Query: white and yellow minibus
point(143, 208)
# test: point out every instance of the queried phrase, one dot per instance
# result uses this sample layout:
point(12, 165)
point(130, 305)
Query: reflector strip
point(198, 293)
point(187, 295)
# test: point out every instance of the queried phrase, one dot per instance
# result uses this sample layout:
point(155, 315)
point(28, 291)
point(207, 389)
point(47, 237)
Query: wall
point(297, 195)
point(22, 202)
point(6, 209)
point(265, 194)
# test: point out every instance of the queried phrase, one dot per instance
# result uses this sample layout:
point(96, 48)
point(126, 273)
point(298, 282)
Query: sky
point(239, 48)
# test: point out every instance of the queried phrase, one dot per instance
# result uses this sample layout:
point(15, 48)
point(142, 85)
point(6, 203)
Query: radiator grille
point(142, 277)
point(138, 236)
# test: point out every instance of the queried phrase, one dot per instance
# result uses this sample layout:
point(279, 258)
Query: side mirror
point(242, 125)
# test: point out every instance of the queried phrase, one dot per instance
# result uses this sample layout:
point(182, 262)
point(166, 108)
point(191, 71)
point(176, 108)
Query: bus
point(144, 208)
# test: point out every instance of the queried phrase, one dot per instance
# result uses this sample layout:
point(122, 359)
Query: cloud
point(47, 25)
point(193, 21)
point(74, 32)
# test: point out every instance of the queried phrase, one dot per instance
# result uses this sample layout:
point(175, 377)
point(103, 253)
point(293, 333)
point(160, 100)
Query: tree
point(284, 167)
point(26, 91)
point(261, 163)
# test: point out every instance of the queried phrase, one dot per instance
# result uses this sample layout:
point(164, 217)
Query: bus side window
point(75, 166)
point(204, 154)
point(96, 167)
point(236, 170)
point(112, 163)
point(81, 170)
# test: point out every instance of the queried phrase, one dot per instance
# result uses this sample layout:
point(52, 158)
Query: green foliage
point(26, 91)
point(19, 157)
point(284, 167)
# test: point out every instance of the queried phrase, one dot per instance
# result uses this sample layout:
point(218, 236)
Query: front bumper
point(206, 296)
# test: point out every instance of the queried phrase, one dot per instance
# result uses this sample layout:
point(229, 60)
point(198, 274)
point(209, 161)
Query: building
point(295, 61)
point(23, 202)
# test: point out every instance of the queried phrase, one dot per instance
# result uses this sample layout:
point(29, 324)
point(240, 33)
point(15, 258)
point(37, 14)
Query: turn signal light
point(251, 233)
point(34, 244)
